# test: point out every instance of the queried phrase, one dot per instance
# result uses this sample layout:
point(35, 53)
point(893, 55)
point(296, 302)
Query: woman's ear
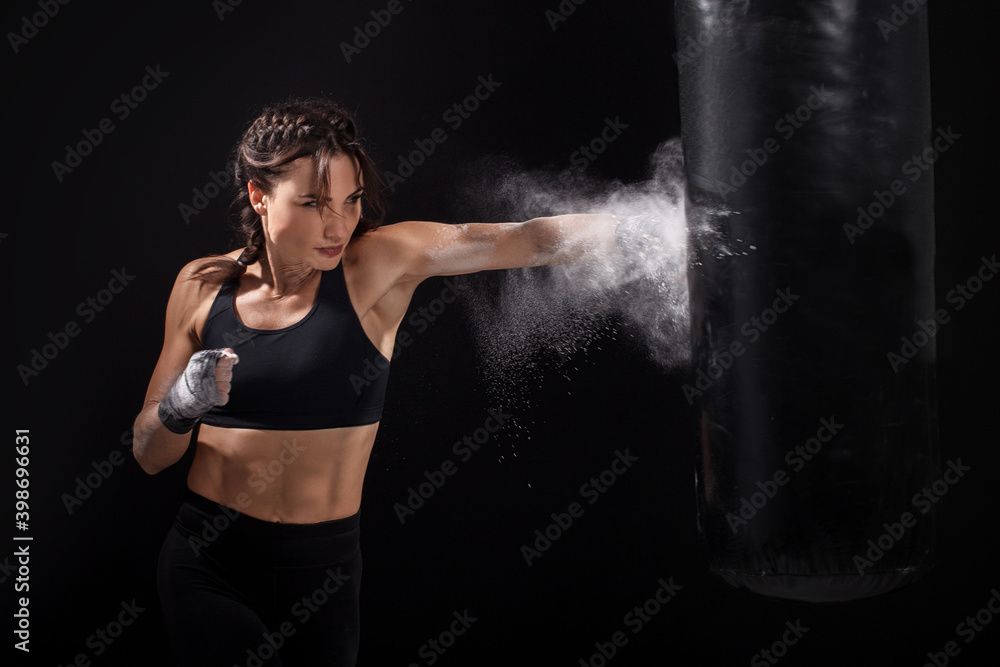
point(257, 198)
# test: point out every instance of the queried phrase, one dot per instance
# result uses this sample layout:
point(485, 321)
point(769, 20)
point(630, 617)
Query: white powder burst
point(527, 320)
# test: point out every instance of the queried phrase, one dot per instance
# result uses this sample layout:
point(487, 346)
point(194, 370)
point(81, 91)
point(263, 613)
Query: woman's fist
point(204, 384)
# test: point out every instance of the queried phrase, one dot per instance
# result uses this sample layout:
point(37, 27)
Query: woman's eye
point(310, 204)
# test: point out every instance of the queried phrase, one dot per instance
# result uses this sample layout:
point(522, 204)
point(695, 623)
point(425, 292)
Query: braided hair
point(281, 134)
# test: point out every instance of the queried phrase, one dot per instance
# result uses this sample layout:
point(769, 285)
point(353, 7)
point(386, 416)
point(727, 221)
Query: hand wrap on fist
point(197, 390)
point(636, 235)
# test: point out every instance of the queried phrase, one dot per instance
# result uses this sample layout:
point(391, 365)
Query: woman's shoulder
point(211, 270)
point(201, 263)
point(398, 236)
point(202, 277)
point(196, 287)
point(389, 246)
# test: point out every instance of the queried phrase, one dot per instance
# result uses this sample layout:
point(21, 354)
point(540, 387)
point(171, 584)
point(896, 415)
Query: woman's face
point(299, 228)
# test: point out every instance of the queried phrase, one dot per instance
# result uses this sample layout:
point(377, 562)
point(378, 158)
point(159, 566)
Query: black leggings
point(239, 591)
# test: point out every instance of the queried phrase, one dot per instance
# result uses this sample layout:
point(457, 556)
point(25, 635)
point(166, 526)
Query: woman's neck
point(283, 279)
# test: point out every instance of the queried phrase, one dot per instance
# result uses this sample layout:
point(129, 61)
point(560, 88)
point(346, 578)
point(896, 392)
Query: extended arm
point(433, 249)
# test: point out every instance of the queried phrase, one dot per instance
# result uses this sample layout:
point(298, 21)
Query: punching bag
point(807, 146)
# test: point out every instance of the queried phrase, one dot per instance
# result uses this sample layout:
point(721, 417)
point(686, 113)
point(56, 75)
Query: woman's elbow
point(141, 447)
point(547, 239)
point(571, 238)
point(147, 466)
point(141, 456)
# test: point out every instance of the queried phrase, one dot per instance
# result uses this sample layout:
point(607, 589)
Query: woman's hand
point(204, 384)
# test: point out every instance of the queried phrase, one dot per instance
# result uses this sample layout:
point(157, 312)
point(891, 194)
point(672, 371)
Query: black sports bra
point(321, 372)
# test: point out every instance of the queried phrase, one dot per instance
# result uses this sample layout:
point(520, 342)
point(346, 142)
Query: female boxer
point(270, 350)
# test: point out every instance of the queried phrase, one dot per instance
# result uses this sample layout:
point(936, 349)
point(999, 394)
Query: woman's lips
point(331, 251)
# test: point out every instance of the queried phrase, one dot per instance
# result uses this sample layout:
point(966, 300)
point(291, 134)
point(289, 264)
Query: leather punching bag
point(807, 145)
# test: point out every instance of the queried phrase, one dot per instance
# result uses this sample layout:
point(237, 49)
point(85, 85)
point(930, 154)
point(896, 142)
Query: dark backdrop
point(63, 236)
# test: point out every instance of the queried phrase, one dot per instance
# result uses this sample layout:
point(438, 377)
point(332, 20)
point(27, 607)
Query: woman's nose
point(334, 223)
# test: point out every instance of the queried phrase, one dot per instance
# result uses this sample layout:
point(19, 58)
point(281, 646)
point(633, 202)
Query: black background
point(461, 551)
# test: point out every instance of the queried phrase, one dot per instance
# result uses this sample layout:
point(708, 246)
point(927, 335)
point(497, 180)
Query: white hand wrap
point(194, 393)
point(638, 235)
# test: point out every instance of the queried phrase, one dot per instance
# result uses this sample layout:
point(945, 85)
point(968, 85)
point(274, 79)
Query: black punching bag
point(807, 146)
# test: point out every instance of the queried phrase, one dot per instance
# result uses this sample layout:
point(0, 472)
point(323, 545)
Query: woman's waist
point(286, 477)
point(248, 450)
point(229, 535)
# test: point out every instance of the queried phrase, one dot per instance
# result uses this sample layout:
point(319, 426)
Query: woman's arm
point(434, 249)
point(154, 446)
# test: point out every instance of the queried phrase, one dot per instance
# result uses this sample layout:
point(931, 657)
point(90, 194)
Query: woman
point(271, 348)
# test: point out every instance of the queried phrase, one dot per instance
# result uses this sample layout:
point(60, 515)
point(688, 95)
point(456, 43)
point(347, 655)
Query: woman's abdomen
point(283, 476)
